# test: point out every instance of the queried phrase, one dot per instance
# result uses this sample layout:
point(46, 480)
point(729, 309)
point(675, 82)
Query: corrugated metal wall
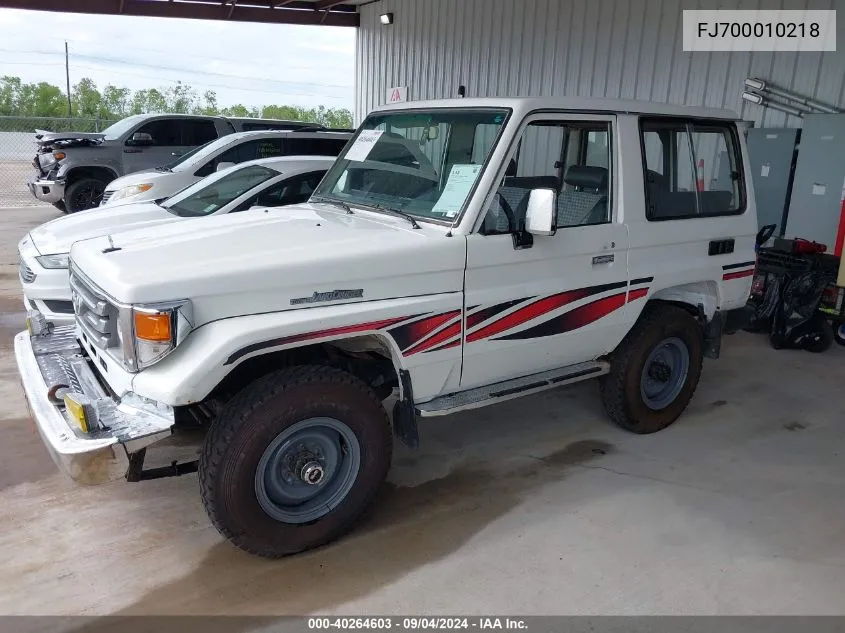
point(607, 48)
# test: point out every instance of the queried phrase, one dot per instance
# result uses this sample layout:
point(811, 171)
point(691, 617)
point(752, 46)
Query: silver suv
point(72, 169)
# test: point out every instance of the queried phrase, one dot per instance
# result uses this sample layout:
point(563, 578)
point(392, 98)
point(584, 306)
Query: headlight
point(131, 190)
point(59, 260)
point(148, 333)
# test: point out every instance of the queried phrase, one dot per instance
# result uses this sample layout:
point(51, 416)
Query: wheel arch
point(695, 297)
point(105, 174)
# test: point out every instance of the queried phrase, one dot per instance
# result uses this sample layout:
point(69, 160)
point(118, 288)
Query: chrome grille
point(106, 196)
point(27, 276)
point(95, 315)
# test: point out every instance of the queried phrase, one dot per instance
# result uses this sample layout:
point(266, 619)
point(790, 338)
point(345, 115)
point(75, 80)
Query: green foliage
point(45, 100)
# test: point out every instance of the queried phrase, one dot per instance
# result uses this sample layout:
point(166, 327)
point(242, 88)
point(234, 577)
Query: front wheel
point(294, 459)
point(655, 370)
point(82, 194)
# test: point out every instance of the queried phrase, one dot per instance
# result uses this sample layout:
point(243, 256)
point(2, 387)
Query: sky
point(253, 64)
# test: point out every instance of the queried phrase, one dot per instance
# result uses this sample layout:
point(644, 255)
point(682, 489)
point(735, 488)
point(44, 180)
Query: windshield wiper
point(396, 212)
point(338, 203)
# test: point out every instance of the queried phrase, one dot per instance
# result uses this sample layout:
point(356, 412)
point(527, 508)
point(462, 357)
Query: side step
point(509, 389)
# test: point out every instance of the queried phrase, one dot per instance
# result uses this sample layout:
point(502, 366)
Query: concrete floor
point(538, 506)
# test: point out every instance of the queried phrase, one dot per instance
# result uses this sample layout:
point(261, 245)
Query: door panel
point(556, 302)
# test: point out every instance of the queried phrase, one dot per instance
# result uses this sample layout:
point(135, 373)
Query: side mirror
point(540, 215)
point(140, 138)
point(224, 165)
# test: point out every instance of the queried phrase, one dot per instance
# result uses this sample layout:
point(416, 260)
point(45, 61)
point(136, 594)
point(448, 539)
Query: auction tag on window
point(461, 180)
point(363, 145)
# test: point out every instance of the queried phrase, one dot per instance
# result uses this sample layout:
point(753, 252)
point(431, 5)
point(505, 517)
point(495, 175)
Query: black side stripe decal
point(740, 265)
point(644, 280)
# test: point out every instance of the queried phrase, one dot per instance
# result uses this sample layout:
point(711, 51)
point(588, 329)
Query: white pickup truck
point(459, 253)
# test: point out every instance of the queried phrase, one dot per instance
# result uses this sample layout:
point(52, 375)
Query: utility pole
point(67, 78)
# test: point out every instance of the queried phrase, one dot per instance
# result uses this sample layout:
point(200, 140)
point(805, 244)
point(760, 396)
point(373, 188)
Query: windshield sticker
point(461, 179)
point(363, 145)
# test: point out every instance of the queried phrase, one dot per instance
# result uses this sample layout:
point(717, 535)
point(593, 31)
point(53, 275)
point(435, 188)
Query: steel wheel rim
point(664, 373)
point(307, 470)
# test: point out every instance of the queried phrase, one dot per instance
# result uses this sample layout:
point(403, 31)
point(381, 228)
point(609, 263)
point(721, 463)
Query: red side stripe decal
point(584, 315)
point(639, 293)
point(449, 345)
point(418, 330)
point(739, 275)
point(527, 313)
point(443, 335)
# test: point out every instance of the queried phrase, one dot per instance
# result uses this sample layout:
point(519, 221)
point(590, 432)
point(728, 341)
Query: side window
point(291, 191)
point(571, 157)
point(298, 146)
point(163, 132)
point(683, 161)
point(198, 131)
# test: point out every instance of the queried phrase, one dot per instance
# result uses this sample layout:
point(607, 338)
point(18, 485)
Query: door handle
point(603, 259)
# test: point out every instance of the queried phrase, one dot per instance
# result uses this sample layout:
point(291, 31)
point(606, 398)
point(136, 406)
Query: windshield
point(424, 163)
point(183, 157)
point(116, 130)
point(211, 194)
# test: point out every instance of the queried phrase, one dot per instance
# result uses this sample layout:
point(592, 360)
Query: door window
point(198, 132)
point(570, 157)
point(163, 132)
point(313, 146)
point(294, 190)
point(683, 161)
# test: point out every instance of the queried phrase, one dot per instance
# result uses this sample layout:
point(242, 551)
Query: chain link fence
point(17, 149)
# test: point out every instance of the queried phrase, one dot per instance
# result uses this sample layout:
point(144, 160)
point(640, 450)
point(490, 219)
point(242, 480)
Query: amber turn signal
point(59, 155)
point(152, 327)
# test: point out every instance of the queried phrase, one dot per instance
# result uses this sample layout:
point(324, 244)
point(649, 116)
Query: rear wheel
point(655, 370)
point(839, 334)
point(83, 194)
point(294, 459)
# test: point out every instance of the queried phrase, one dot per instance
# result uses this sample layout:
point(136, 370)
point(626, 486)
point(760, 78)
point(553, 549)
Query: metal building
point(614, 48)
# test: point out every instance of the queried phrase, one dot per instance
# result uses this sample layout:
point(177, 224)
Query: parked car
point(164, 181)
point(73, 168)
point(458, 254)
point(267, 182)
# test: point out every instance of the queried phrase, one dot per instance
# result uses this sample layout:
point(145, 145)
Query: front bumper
point(125, 426)
point(49, 191)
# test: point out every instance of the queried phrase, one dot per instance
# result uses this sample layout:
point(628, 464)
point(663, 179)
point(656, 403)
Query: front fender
point(423, 335)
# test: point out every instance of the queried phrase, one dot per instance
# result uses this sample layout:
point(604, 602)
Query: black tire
point(821, 339)
point(247, 427)
point(83, 194)
point(60, 205)
point(621, 388)
point(839, 336)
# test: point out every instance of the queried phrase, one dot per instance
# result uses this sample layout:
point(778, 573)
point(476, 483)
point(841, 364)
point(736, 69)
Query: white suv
point(164, 181)
point(457, 254)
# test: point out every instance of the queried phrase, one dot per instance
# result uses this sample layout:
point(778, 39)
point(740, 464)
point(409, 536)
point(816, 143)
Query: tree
point(46, 100)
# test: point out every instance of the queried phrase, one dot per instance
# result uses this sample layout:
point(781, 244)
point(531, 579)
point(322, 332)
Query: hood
point(57, 235)
point(268, 260)
point(67, 139)
point(139, 177)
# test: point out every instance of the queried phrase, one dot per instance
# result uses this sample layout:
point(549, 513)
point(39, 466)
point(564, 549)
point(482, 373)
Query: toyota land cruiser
point(456, 255)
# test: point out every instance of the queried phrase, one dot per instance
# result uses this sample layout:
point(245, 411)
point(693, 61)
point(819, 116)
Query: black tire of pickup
point(83, 194)
point(244, 432)
point(621, 388)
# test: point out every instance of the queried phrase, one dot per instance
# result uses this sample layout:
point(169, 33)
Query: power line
point(179, 69)
point(219, 86)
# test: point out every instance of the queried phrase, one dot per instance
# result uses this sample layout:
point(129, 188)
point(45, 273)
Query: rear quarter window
point(692, 169)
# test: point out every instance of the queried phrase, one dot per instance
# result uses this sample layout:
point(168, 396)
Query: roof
point(287, 163)
point(318, 12)
point(524, 105)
